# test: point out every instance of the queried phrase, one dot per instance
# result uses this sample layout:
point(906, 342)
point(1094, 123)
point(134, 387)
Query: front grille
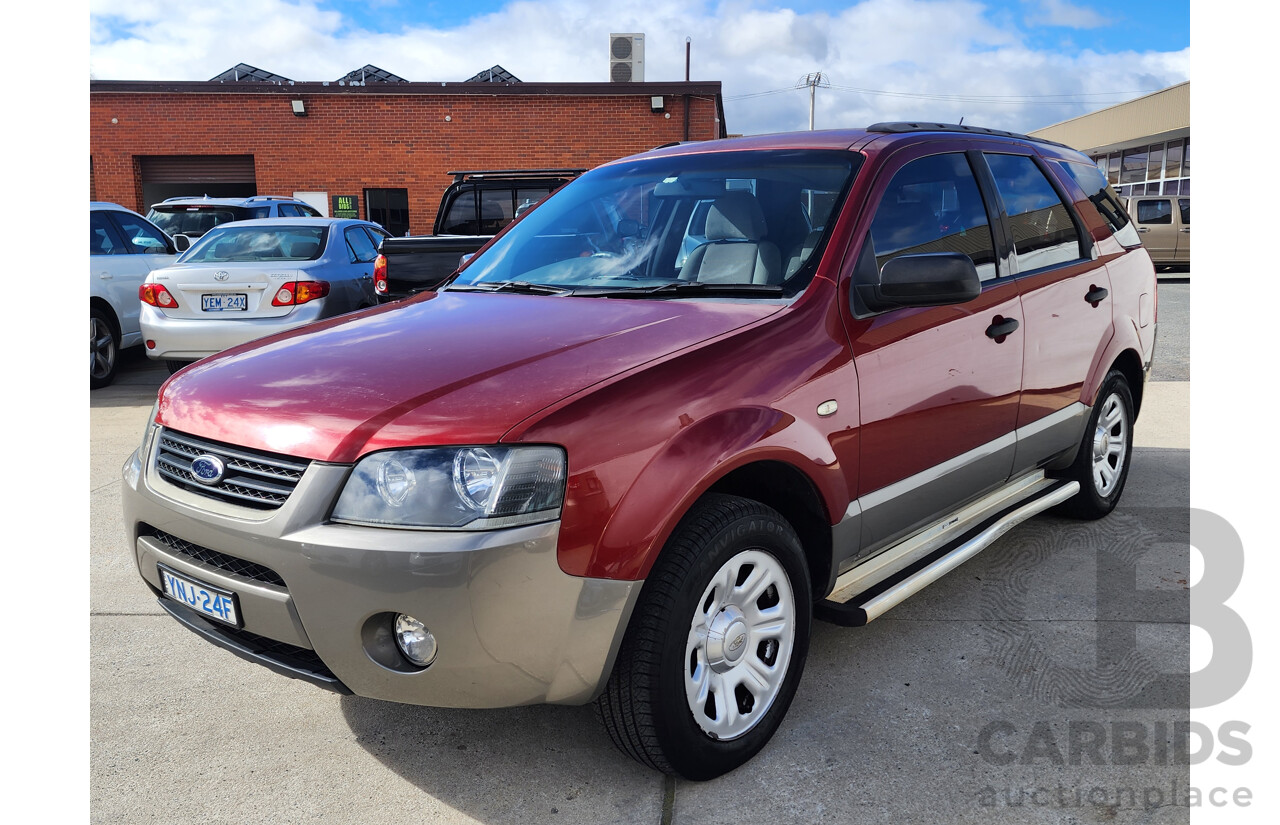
point(227, 564)
point(254, 479)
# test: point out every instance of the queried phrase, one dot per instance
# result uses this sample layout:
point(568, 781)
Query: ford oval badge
point(208, 469)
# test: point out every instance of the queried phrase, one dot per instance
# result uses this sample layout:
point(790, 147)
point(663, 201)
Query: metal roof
point(497, 74)
point(370, 73)
point(244, 73)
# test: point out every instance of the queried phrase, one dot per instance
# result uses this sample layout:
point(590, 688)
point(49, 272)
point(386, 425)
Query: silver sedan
point(248, 279)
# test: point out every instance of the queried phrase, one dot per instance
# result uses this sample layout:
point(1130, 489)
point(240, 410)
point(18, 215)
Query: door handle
point(1001, 327)
point(106, 276)
point(1095, 294)
point(1186, 229)
point(1144, 229)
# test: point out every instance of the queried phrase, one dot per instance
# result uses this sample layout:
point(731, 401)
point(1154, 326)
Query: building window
point(388, 208)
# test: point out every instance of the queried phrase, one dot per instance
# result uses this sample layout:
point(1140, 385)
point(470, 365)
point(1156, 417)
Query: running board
point(915, 563)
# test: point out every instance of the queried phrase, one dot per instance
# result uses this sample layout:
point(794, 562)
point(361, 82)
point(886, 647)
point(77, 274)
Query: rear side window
point(359, 246)
point(142, 236)
point(1090, 180)
point(461, 219)
point(1044, 233)
point(933, 205)
point(1158, 212)
point(1184, 205)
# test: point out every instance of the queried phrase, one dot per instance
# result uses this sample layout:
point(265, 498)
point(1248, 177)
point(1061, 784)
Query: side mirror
point(181, 242)
point(926, 280)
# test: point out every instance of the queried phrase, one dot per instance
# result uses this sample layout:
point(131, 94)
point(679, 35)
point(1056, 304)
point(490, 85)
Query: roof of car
point(254, 200)
point(843, 138)
point(292, 221)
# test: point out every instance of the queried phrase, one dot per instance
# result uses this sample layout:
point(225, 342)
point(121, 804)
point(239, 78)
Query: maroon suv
point(691, 401)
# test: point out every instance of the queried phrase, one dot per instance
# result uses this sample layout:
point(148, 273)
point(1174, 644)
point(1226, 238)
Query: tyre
point(1102, 464)
point(716, 645)
point(104, 349)
point(174, 366)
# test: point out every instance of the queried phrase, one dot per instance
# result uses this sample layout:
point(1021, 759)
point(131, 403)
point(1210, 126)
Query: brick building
point(388, 144)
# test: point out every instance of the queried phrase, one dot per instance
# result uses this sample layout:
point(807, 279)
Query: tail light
point(157, 296)
point(296, 293)
point(380, 274)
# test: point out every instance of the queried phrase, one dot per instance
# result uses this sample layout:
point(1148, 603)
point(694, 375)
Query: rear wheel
point(717, 644)
point(1102, 464)
point(104, 349)
point(174, 366)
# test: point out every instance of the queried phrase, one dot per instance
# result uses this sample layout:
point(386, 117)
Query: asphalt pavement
point(1044, 681)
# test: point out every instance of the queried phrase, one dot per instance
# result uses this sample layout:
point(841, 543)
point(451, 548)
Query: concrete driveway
point(1044, 681)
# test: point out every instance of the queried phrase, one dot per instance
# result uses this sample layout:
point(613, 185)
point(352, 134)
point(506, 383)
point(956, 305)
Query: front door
point(939, 388)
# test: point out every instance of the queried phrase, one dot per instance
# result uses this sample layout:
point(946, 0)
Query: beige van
point(1164, 224)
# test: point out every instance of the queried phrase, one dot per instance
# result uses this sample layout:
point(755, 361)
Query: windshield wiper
point(679, 289)
point(523, 287)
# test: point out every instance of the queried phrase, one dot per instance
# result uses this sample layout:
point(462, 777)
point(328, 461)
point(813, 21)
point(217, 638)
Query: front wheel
point(1102, 464)
point(717, 644)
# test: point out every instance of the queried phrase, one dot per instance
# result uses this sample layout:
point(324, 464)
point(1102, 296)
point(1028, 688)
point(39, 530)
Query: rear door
point(1154, 218)
point(1066, 301)
point(1183, 255)
point(939, 391)
point(149, 249)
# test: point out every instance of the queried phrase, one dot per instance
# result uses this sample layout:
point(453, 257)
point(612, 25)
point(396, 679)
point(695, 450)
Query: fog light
point(415, 641)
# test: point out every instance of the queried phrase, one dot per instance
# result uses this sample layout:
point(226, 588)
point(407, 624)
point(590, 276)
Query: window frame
point(1084, 239)
point(129, 246)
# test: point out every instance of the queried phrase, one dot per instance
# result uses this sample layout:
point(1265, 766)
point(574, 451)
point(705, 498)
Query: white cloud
point(909, 47)
point(1064, 13)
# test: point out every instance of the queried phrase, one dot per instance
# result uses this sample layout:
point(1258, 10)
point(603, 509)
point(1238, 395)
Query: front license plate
point(224, 302)
point(214, 602)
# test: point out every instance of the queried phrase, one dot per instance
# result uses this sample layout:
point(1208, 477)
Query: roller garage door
point(218, 176)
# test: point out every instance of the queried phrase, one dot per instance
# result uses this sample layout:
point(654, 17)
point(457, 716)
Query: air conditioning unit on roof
point(626, 58)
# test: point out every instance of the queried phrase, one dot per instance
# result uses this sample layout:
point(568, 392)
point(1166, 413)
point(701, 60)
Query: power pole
point(813, 80)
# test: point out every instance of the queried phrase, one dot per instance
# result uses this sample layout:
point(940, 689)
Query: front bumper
point(512, 627)
point(190, 339)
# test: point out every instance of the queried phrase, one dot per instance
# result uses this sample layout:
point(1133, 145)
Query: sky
point(1005, 64)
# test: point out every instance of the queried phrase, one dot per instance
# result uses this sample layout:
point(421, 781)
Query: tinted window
point(102, 236)
point(307, 211)
point(359, 246)
point(461, 219)
point(1184, 204)
point(1044, 233)
point(190, 220)
point(933, 205)
point(141, 235)
point(1104, 199)
point(376, 235)
point(259, 212)
point(496, 210)
point(290, 210)
point(1160, 211)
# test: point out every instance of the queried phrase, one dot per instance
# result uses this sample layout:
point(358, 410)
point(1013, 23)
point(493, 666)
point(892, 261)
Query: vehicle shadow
point(509, 765)
point(137, 380)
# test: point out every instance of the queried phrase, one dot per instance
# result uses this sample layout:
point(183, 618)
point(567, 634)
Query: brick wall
point(349, 142)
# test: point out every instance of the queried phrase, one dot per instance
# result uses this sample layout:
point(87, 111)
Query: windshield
point(192, 221)
point(744, 221)
point(258, 243)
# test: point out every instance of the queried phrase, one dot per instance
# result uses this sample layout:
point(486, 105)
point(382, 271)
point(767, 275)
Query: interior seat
point(735, 252)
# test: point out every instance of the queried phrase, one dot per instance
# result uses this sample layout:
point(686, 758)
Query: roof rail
point(267, 198)
point(513, 173)
point(182, 198)
point(901, 127)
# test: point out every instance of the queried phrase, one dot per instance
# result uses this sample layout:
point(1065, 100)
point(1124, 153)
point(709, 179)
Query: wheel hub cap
point(739, 645)
point(727, 639)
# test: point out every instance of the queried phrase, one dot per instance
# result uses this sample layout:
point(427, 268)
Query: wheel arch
point(108, 311)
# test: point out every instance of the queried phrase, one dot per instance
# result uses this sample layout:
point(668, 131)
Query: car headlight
point(471, 488)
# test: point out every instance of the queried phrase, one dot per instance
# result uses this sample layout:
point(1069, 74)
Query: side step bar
point(856, 604)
